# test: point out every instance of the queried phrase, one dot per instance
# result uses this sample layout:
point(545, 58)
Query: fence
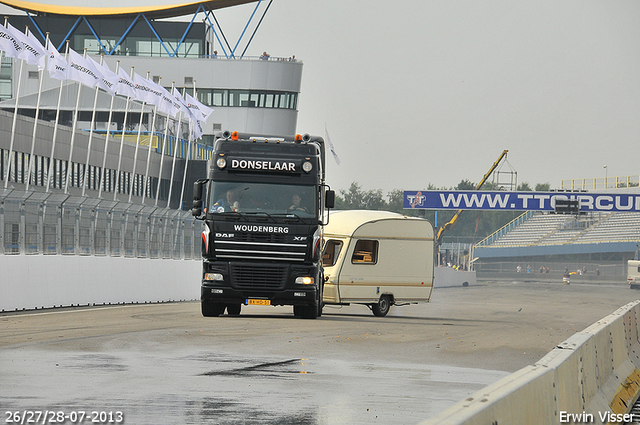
point(538, 267)
point(60, 224)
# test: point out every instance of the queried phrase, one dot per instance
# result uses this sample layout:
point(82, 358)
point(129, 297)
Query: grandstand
point(602, 241)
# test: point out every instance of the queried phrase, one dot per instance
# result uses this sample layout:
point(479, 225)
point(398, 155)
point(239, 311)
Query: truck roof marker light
point(307, 166)
point(221, 163)
point(235, 135)
point(298, 138)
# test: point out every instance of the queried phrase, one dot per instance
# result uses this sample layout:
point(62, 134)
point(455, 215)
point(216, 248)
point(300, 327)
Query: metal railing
point(602, 183)
point(506, 228)
point(59, 224)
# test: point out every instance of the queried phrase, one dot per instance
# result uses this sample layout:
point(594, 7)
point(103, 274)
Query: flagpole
point(186, 162)
point(93, 120)
point(15, 118)
point(35, 124)
point(124, 127)
point(106, 140)
point(175, 153)
point(135, 154)
point(73, 132)
point(146, 174)
point(164, 144)
point(55, 128)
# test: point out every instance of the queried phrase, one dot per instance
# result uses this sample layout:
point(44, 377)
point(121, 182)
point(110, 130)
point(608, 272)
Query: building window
point(5, 78)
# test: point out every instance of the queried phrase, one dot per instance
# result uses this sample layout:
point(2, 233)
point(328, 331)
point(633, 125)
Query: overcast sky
point(417, 92)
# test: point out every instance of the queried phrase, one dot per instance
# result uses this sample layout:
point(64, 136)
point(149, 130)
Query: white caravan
point(633, 274)
point(378, 259)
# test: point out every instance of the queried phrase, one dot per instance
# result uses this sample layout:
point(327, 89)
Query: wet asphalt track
point(166, 364)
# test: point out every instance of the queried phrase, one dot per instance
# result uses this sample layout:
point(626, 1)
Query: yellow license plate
point(258, 302)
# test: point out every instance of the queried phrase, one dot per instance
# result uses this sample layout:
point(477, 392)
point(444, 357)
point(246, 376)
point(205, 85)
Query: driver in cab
point(228, 203)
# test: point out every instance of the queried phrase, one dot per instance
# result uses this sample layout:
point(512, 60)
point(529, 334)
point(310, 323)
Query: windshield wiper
point(290, 217)
point(261, 213)
point(231, 214)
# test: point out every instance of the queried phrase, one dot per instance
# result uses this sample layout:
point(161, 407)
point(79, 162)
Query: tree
point(543, 187)
point(357, 199)
point(396, 201)
point(352, 197)
point(465, 185)
point(524, 187)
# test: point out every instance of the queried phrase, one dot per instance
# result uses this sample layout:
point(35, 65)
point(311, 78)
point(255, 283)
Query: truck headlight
point(213, 276)
point(304, 280)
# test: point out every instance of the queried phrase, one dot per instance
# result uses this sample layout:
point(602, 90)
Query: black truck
point(264, 210)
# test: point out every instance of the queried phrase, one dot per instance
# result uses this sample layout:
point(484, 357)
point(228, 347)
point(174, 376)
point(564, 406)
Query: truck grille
point(258, 277)
point(262, 251)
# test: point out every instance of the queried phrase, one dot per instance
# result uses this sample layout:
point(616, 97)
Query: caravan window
point(365, 252)
point(331, 252)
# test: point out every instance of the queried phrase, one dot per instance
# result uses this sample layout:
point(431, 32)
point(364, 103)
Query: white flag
point(125, 86)
point(196, 129)
point(176, 105)
point(165, 99)
point(201, 111)
point(57, 65)
point(33, 52)
point(9, 44)
point(146, 91)
point(181, 102)
point(331, 147)
point(109, 79)
point(82, 70)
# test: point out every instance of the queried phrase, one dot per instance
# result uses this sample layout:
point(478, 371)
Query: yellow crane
point(458, 213)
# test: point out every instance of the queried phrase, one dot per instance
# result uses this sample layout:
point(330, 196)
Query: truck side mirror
point(197, 191)
point(196, 211)
point(330, 199)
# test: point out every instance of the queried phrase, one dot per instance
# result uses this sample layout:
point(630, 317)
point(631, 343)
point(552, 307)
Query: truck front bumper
point(215, 293)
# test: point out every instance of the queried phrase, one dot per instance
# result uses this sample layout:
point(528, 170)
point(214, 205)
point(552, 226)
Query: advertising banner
point(514, 201)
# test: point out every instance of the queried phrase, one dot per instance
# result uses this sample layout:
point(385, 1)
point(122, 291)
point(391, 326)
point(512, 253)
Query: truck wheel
point(309, 311)
point(320, 299)
point(382, 307)
point(210, 309)
point(234, 309)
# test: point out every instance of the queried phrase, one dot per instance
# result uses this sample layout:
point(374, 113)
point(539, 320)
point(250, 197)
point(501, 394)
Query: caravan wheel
point(382, 307)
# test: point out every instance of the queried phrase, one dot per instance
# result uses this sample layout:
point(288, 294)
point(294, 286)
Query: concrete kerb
point(593, 373)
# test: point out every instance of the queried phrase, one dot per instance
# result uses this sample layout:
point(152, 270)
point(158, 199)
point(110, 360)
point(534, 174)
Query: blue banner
point(514, 201)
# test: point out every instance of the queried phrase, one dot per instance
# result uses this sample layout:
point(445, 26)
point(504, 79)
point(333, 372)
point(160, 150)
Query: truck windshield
point(267, 198)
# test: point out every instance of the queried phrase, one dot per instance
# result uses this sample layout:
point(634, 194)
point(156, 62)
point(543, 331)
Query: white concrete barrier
point(592, 377)
point(43, 281)
point(446, 276)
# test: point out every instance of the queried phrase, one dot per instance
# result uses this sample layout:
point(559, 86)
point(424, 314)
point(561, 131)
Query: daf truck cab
point(264, 206)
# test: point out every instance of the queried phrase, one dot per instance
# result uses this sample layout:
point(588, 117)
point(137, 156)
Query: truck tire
point(320, 298)
point(210, 309)
point(382, 307)
point(309, 311)
point(234, 309)
point(297, 310)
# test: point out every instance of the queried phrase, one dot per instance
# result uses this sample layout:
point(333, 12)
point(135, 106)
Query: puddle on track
point(212, 387)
